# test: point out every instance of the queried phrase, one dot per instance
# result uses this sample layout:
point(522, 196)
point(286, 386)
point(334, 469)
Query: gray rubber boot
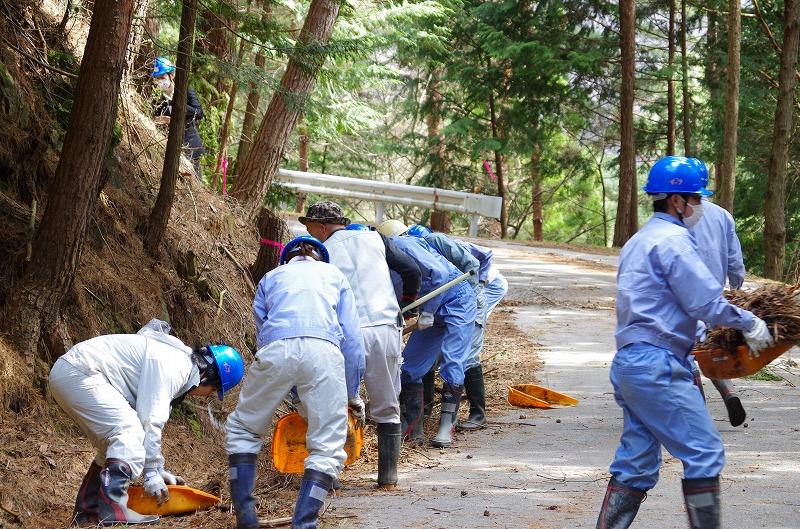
point(702, 499)
point(451, 397)
point(620, 506)
point(389, 438)
point(476, 394)
point(112, 504)
point(411, 404)
point(86, 501)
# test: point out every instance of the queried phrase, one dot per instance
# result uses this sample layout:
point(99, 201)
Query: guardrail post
point(474, 219)
point(379, 212)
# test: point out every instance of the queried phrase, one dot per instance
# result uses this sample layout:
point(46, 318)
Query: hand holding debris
point(356, 405)
point(758, 337)
point(154, 485)
point(170, 478)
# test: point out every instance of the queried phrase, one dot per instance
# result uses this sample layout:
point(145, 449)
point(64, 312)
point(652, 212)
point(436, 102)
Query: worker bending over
point(119, 389)
point(308, 338)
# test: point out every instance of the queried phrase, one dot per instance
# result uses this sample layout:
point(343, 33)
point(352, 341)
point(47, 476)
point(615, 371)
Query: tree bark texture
point(302, 132)
point(714, 83)
point(671, 81)
point(626, 222)
point(433, 121)
point(727, 183)
point(775, 204)
point(35, 305)
point(222, 153)
point(286, 107)
point(251, 109)
point(159, 216)
point(536, 191)
point(686, 98)
point(272, 231)
point(498, 162)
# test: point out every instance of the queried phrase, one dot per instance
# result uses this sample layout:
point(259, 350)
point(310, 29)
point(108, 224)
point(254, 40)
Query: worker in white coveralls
point(309, 338)
point(663, 289)
point(365, 257)
point(444, 332)
point(721, 251)
point(474, 259)
point(119, 389)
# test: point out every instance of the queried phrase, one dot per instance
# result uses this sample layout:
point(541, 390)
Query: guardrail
point(472, 204)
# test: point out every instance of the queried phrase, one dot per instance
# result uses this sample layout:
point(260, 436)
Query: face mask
point(697, 213)
point(164, 84)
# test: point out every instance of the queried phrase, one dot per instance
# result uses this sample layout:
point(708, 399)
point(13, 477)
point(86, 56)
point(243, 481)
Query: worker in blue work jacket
point(444, 331)
point(721, 251)
point(309, 338)
point(663, 290)
point(467, 257)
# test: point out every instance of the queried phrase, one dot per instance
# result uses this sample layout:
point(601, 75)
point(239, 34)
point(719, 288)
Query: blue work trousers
point(661, 406)
point(494, 292)
point(449, 338)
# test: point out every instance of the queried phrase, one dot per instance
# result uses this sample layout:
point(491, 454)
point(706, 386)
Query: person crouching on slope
point(309, 338)
point(663, 289)
point(119, 389)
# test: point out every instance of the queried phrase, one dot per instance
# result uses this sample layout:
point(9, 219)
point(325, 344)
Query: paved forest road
point(553, 474)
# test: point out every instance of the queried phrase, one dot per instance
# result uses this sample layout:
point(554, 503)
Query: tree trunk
point(440, 220)
point(498, 162)
point(255, 175)
point(302, 130)
point(35, 305)
point(626, 223)
point(727, 177)
point(273, 232)
point(222, 153)
point(136, 38)
point(686, 98)
point(215, 39)
point(714, 83)
point(775, 204)
point(671, 81)
point(536, 196)
point(159, 216)
point(253, 99)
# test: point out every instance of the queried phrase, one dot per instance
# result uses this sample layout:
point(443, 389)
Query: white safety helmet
point(392, 228)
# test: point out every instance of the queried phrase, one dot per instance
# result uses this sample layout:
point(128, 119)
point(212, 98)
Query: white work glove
point(425, 321)
point(758, 337)
point(154, 485)
point(170, 478)
point(356, 405)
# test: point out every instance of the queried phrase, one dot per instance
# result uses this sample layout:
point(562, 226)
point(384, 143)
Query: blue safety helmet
point(701, 167)
point(676, 174)
point(228, 366)
point(305, 239)
point(357, 227)
point(418, 230)
point(162, 66)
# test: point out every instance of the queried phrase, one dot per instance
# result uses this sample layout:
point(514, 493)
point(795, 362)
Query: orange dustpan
point(723, 364)
point(182, 500)
point(289, 443)
point(533, 396)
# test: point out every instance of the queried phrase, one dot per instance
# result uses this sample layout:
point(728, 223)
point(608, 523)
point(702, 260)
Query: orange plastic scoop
point(533, 396)
point(722, 364)
point(182, 500)
point(289, 443)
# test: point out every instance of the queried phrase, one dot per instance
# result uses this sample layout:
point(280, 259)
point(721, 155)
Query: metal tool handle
point(444, 288)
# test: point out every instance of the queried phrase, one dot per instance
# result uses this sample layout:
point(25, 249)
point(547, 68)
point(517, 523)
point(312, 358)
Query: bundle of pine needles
point(778, 305)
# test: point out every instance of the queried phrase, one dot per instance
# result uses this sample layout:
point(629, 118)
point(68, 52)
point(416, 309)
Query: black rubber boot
point(411, 403)
point(86, 501)
point(389, 438)
point(736, 413)
point(451, 397)
point(429, 385)
point(313, 491)
point(242, 479)
point(702, 503)
point(112, 500)
point(476, 394)
point(619, 506)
